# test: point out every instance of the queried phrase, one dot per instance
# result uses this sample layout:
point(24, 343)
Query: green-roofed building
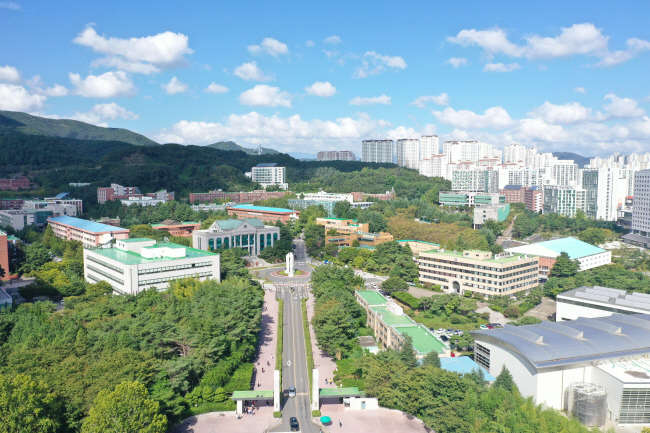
point(137, 264)
point(391, 325)
point(249, 234)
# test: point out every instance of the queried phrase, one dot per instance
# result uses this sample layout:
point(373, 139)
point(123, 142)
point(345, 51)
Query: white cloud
point(583, 39)
point(251, 72)
point(175, 86)
point(402, 132)
point(421, 101)
point(100, 113)
point(373, 63)
point(37, 86)
point(215, 88)
point(332, 40)
point(9, 5)
point(568, 113)
point(323, 89)
point(622, 107)
point(264, 95)
point(456, 62)
point(331, 53)
point(377, 100)
point(494, 117)
point(580, 90)
point(500, 67)
point(9, 74)
point(310, 43)
point(270, 46)
point(17, 98)
point(253, 128)
point(162, 51)
point(107, 85)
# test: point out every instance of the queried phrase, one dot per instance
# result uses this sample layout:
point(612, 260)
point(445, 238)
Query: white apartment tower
point(380, 151)
point(434, 166)
point(407, 153)
point(429, 145)
point(473, 151)
point(640, 234)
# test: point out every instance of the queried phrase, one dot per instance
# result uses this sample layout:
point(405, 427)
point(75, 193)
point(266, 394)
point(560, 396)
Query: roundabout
point(297, 274)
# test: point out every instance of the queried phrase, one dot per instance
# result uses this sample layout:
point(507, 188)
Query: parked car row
point(491, 326)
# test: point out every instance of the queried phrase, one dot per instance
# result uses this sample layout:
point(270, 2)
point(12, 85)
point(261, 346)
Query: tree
point(564, 267)
point(432, 359)
point(125, 409)
point(512, 312)
point(393, 284)
point(331, 249)
point(36, 256)
point(27, 405)
point(2, 274)
point(505, 381)
point(343, 209)
point(593, 236)
point(355, 243)
point(407, 353)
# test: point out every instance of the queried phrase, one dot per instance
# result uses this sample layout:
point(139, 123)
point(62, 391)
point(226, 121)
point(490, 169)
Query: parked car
point(293, 423)
point(490, 327)
point(410, 283)
point(441, 331)
point(483, 327)
point(444, 338)
point(292, 391)
point(450, 331)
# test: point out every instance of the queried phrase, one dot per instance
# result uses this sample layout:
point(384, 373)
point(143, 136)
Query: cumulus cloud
point(332, 40)
point(251, 72)
point(456, 62)
point(9, 5)
point(622, 107)
point(580, 90)
point(175, 86)
point(264, 95)
point(572, 112)
point(377, 100)
point(421, 101)
point(145, 55)
point(494, 118)
point(107, 85)
point(254, 128)
point(501, 67)
point(269, 46)
point(323, 89)
point(373, 63)
point(583, 39)
point(215, 88)
point(100, 113)
point(37, 86)
point(17, 98)
point(9, 74)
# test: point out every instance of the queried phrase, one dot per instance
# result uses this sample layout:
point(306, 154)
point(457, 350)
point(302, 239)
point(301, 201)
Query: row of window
point(103, 263)
point(483, 274)
point(482, 356)
point(106, 274)
point(635, 406)
point(470, 265)
point(588, 305)
point(173, 268)
point(177, 277)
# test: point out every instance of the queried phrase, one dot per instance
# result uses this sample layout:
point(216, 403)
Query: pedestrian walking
point(340, 424)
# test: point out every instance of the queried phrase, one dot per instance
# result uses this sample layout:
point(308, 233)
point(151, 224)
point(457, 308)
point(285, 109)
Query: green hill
point(578, 159)
point(16, 122)
point(232, 146)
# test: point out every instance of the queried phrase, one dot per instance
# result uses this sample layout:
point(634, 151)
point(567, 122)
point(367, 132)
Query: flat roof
point(263, 208)
point(515, 257)
point(464, 365)
point(134, 240)
point(630, 371)
point(423, 340)
point(575, 248)
point(339, 392)
point(392, 319)
point(131, 258)
point(252, 395)
point(89, 226)
point(552, 344)
point(420, 242)
point(372, 297)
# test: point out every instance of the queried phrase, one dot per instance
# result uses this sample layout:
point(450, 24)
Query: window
point(635, 406)
point(482, 356)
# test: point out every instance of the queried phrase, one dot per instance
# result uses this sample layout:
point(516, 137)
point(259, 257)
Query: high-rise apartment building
point(268, 174)
point(336, 155)
point(434, 166)
point(606, 189)
point(407, 153)
point(429, 146)
point(640, 234)
point(479, 180)
point(380, 151)
point(473, 151)
point(563, 200)
point(564, 173)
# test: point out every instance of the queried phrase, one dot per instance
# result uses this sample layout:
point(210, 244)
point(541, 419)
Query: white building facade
point(380, 151)
point(269, 174)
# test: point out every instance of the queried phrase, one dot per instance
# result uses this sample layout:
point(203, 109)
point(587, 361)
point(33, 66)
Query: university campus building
point(89, 233)
point(249, 234)
point(267, 214)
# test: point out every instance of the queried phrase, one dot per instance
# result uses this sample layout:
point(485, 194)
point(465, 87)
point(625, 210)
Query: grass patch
point(310, 355)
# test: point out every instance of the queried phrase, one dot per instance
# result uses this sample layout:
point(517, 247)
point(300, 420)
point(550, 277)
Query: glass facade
point(635, 406)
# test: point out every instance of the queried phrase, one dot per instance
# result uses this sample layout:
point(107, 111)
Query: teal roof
point(420, 242)
point(262, 208)
point(464, 365)
point(86, 225)
point(372, 297)
point(392, 319)
point(131, 258)
point(133, 240)
point(573, 247)
point(423, 340)
point(234, 223)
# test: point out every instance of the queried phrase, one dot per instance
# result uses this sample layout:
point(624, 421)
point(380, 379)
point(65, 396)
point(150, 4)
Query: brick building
point(234, 197)
point(267, 214)
point(15, 183)
point(532, 197)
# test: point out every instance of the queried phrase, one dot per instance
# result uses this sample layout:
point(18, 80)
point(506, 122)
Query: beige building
point(479, 271)
point(342, 225)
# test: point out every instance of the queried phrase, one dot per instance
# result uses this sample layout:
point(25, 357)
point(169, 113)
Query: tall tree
point(432, 359)
point(125, 409)
point(564, 267)
point(36, 255)
point(27, 406)
point(505, 381)
point(407, 353)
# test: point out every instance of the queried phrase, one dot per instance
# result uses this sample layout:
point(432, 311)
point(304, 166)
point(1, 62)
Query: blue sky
point(310, 76)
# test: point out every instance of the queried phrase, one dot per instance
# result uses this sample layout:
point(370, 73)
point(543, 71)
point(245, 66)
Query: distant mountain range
point(231, 145)
point(23, 123)
point(580, 160)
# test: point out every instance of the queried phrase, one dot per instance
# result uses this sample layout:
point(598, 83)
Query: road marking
point(288, 363)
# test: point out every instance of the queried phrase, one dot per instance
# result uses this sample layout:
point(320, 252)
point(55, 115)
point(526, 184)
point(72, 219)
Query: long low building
point(599, 301)
point(249, 234)
point(479, 271)
point(269, 214)
point(587, 255)
point(598, 368)
point(391, 325)
point(89, 233)
point(134, 265)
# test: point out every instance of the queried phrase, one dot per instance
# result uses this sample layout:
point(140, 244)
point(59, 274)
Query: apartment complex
point(336, 155)
point(249, 234)
point(134, 265)
point(563, 200)
point(407, 153)
point(640, 234)
point(532, 197)
point(234, 197)
point(479, 271)
point(89, 233)
point(380, 151)
point(269, 174)
point(15, 183)
point(268, 214)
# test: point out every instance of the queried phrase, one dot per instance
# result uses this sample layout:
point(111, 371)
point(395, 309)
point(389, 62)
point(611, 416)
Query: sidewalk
point(267, 342)
point(322, 361)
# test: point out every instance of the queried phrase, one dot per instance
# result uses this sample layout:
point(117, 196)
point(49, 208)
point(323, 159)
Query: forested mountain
point(231, 145)
point(13, 121)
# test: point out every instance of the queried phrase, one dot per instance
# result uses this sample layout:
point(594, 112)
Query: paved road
point(294, 369)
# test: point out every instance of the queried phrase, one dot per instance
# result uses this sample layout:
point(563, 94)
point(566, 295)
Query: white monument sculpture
point(291, 263)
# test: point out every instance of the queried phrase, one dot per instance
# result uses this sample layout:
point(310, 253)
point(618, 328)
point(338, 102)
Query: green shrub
point(277, 414)
point(241, 379)
point(408, 299)
point(315, 413)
